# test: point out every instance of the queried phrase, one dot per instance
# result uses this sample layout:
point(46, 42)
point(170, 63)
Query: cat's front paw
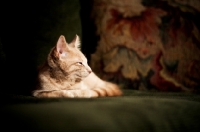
point(80, 94)
point(69, 94)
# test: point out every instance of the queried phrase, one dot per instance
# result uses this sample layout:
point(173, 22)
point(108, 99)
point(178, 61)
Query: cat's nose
point(90, 71)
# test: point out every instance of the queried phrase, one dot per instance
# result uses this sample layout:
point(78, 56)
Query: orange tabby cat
point(67, 74)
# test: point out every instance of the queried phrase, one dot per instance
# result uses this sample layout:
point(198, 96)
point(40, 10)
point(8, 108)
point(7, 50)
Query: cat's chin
point(84, 75)
point(80, 78)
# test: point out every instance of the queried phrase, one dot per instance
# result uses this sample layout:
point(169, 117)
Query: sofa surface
point(134, 111)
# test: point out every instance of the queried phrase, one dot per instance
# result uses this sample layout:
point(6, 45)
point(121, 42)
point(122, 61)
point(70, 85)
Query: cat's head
point(70, 59)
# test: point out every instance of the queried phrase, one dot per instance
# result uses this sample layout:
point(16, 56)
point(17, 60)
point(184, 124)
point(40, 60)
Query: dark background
point(29, 29)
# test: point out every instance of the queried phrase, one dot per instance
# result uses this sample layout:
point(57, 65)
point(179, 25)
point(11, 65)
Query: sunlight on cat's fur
point(67, 74)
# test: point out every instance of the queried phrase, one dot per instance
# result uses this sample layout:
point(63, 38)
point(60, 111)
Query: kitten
point(67, 74)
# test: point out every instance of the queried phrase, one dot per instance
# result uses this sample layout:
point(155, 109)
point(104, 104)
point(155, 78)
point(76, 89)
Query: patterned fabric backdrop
point(149, 44)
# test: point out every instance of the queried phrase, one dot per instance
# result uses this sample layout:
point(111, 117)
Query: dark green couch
point(25, 41)
point(135, 111)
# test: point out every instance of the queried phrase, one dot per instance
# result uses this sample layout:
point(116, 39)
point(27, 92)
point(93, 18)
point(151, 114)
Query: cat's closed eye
point(79, 63)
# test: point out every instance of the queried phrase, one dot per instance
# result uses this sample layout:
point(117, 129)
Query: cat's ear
point(62, 46)
point(76, 42)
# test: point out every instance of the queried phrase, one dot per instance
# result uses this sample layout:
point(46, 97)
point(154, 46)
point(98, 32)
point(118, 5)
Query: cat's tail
point(109, 89)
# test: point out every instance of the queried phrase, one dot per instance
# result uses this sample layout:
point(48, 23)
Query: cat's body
point(67, 74)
